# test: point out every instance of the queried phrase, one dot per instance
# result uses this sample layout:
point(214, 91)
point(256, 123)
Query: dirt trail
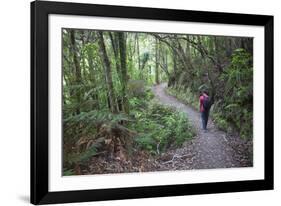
point(213, 149)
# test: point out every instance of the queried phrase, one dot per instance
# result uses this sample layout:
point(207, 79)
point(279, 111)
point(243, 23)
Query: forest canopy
point(111, 120)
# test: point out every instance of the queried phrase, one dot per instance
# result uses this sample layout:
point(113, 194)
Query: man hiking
point(205, 105)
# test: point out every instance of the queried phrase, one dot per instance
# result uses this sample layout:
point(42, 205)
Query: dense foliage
point(233, 93)
point(160, 127)
point(238, 93)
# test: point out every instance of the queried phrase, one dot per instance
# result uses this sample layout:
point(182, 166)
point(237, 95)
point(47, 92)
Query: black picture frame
point(39, 102)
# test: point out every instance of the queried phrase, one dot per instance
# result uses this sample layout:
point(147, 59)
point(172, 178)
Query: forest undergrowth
point(120, 143)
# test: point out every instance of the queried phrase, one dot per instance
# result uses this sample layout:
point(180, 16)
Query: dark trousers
point(204, 118)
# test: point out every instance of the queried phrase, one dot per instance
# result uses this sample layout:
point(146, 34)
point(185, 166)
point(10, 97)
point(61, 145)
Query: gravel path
point(213, 149)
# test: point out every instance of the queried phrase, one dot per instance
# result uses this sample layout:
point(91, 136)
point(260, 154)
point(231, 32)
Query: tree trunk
point(124, 76)
point(108, 75)
point(115, 46)
point(138, 53)
point(156, 62)
point(77, 68)
point(92, 76)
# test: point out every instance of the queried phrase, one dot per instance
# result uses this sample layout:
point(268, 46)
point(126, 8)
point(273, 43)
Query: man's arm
point(200, 102)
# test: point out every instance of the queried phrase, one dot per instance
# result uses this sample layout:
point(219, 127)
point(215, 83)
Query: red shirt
point(201, 99)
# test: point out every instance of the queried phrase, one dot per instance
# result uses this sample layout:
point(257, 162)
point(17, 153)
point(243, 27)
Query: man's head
point(206, 92)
